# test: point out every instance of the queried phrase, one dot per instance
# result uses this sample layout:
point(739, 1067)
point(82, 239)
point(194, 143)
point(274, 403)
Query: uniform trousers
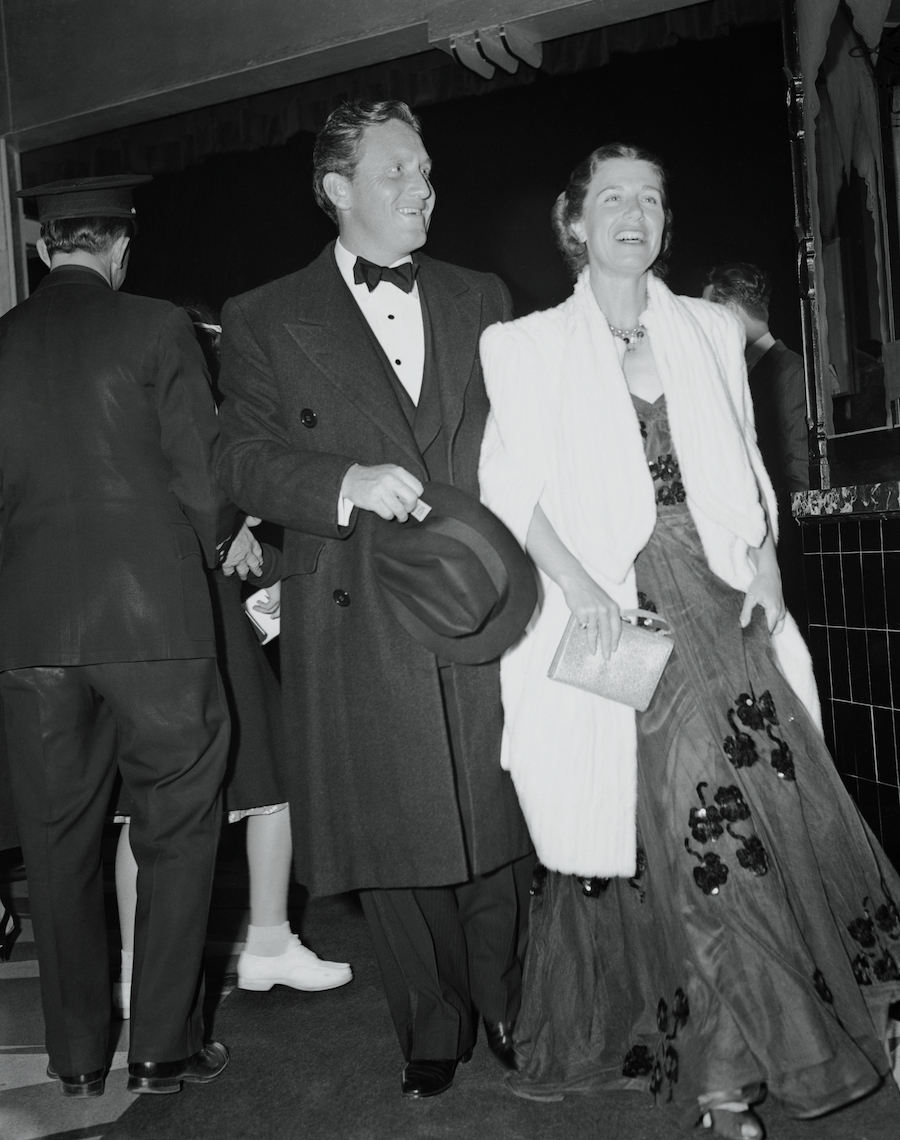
point(445, 952)
point(165, 725)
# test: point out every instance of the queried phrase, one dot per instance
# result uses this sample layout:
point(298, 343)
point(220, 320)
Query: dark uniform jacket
point(778, 388)
point(376, 798)
point(108, 504)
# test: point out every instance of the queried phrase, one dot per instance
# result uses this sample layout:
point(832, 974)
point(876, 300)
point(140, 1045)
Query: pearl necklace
point(632, 337)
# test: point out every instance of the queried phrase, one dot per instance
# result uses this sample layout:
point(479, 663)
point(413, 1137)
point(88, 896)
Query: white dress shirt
point(395, 318)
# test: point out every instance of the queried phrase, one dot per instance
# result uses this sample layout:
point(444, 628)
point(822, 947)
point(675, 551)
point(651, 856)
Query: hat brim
point(508, 619)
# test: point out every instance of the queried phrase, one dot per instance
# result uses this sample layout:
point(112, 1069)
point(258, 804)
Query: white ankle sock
point(268, 941)
point(125, 970)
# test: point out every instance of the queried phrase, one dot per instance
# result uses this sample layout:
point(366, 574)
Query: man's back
point(106, 429)
point(778, 387)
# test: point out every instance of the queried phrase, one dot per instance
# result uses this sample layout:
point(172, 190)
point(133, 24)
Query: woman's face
point(623, 218)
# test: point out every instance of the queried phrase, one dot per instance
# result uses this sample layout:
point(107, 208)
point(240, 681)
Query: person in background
point(716, 917)
point(272, 954)
point(347, 386)
point(778, 389)
point(109, 510)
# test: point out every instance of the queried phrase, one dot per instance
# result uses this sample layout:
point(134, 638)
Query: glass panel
point(856, 227)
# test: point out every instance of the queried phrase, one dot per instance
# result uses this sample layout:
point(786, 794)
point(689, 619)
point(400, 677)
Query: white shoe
point(298, 967)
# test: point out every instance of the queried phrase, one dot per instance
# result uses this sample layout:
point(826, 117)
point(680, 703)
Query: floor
point(31, 1107)
point(315, 1066)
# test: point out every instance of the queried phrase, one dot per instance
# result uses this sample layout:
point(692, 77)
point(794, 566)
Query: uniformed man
point(108, 512)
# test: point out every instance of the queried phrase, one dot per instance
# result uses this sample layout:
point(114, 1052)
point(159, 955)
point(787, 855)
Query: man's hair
point(745, 284)
point(569, 206)
point(89, 235)
point(337, 143)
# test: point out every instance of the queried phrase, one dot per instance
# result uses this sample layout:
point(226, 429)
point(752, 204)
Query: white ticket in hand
point(266, 626)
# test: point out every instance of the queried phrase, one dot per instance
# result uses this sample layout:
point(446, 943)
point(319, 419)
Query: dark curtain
point(269, 119)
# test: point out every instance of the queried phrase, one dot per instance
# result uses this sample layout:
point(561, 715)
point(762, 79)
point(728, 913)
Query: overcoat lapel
point(455, 320)
point(331, 331)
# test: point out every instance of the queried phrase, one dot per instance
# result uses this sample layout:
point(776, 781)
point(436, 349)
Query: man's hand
point(245, 553)
point(390, 491)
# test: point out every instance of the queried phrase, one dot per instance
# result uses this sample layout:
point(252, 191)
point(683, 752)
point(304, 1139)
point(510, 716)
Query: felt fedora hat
point(455, 577)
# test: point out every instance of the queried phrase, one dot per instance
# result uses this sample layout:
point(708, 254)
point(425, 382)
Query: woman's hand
point(273, 605)
point(594, 610)
point(765, 589)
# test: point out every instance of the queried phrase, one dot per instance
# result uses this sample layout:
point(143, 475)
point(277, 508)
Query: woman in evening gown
point(715, 919)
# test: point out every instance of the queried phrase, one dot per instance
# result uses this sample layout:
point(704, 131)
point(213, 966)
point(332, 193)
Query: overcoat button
point(341, 597)
point(308, 418)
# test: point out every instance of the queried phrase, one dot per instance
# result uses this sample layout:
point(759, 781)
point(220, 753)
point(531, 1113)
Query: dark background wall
point(714, 111)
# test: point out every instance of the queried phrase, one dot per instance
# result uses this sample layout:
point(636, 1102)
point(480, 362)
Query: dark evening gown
point(759, 942)
point(257, 750)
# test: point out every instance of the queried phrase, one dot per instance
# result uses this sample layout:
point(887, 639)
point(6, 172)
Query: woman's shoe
point(733, 1125)
point(297, 967)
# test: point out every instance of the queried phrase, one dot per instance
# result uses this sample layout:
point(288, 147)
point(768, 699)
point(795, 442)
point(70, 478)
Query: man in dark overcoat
point(347, 385)
point(108, 511)
point(778, 389)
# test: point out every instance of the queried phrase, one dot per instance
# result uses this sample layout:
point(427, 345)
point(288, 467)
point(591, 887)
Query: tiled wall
point(852, 568)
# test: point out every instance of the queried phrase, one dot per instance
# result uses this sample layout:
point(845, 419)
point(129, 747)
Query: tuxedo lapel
point(455, 317)
point(330, 330)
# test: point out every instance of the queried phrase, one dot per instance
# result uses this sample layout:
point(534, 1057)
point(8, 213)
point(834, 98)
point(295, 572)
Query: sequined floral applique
point(705, 821)
point(877, 933)
point(538, 878)
point(759, 715)
point(638, 1062)
point(740, 749)
point(664, 1073)
point(708, 823)
point(594, 888)
point(782, 757)
point(731, 804)
point(756, 712)
point(712, 872)
point(750, 854)
point(666, 471)
point(646, 603)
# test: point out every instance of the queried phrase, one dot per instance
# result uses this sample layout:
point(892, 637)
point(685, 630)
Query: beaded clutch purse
point(631, 675)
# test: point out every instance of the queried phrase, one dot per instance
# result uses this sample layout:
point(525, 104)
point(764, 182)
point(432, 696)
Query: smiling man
point(348, 385)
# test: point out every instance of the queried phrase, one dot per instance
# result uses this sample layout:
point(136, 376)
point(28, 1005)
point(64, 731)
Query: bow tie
point(402, 276)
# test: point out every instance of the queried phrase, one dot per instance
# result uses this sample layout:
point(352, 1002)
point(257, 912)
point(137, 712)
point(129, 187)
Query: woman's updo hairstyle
point(569, 206)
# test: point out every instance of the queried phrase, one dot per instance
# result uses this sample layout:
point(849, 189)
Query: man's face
point(388, 202)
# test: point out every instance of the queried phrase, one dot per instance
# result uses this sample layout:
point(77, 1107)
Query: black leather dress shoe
point(166, 1076)
point(427, 1078)
point(499, 1035)
point(82, 1084)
